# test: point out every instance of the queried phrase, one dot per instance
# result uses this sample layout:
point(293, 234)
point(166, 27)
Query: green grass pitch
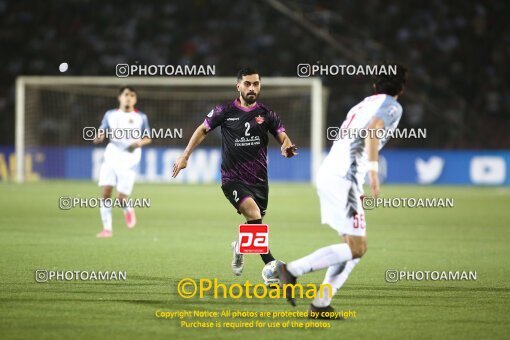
point(187, 233)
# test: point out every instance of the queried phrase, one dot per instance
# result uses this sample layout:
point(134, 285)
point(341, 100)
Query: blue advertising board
point(418, 166)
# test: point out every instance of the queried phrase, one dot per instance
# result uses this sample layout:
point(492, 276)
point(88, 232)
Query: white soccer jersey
point(348, 156)
point(124, 129)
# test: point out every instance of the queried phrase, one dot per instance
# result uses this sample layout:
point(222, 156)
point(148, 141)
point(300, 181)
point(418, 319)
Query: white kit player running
point(123, 126)
point(340, 188)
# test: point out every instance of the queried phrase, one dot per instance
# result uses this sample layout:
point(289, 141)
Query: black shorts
point(237, 192)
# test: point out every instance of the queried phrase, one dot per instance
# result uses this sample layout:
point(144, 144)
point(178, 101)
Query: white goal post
point(316, 110)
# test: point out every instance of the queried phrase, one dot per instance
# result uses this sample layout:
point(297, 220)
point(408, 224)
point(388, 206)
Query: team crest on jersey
point(259, 119)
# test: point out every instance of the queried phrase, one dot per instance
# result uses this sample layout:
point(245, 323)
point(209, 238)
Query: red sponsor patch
point(253, 238)
point(259, 119)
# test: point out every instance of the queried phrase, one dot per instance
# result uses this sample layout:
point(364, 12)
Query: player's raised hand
point(374, 183)
point(180, 163)
point(289, 151)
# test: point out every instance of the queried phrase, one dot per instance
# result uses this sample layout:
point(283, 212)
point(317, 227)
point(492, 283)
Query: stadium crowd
point(457, 52)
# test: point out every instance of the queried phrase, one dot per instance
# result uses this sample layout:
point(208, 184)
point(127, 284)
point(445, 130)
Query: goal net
point(52, 114)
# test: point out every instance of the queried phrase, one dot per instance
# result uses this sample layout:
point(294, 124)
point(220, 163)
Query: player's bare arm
point(195, 140)
point(373, 155)
point(288, 149)
point(99, 138)
point(140, 143)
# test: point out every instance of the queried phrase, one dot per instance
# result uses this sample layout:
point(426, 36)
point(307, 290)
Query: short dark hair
point(390, 84)
point(123, 88)
point(246, 71)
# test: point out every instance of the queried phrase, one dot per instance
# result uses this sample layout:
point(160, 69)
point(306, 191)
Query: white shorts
point(341, 206)
point(121, 178)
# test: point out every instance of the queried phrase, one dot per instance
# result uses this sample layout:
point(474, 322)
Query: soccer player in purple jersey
point(245, 124)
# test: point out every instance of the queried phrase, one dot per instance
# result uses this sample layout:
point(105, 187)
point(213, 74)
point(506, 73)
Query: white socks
point(337, 258)
point(106, 217)
point(126, 206)
point(336, 277)
point(321, 258)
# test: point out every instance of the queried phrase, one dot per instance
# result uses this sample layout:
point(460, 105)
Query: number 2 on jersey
point(247, 125)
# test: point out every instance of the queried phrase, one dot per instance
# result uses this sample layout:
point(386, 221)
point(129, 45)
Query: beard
point(250, 97)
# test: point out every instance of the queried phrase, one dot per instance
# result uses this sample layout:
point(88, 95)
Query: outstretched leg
point(353, 248)
point(129, 212)
point(335, 278)
point(106, 214)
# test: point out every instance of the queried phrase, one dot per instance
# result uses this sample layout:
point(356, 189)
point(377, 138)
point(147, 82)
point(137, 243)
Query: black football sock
point(265, 257)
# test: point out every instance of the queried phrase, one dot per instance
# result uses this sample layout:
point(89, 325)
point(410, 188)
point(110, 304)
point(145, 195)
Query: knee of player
point(251, 213)
point(358, 249)
point(121, 197)
point(358, 252)
point(107, 193)
point(254, 214)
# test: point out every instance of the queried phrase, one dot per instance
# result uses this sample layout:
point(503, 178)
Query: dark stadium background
point(458, 52)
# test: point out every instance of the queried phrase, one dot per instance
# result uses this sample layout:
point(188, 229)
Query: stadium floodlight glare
point(51, 110)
